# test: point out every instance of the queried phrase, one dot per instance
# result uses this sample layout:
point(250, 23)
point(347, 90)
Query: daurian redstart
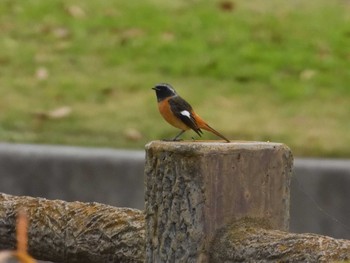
point(179, 113)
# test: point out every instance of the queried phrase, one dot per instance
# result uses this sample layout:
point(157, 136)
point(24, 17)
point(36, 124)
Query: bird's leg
point(177, 136)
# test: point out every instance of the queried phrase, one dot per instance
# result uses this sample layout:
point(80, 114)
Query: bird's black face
point(164, 91)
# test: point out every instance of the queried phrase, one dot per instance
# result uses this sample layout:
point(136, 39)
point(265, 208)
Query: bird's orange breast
point(168, 115)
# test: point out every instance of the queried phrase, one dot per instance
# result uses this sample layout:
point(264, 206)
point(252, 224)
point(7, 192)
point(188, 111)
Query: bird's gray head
point(163, 91)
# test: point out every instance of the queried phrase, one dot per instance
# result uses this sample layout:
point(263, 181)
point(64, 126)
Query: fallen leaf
point(41, 73)
point(129, 34)
point(132, 33)
point(168, 36)
point(76, 11)
point(58, 113)
point(61, 32)
point(132, 134)
point(226, 5)
point(307, 74)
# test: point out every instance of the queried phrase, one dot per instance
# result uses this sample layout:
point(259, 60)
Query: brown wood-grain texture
point(62, 231)
point(195, 188)
point(253, 240)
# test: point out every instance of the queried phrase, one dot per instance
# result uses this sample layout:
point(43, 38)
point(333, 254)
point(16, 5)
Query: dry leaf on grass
point(226, 6)
point(76, 11)
point(41, 73)
point(132, 33)
point(168, 36)
point(61, 32)
point(58, 113)
point(307, 74)
point(132, 134)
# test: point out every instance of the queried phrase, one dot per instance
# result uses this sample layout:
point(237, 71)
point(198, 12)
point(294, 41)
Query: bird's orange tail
point(203, 125)
point(208, 128)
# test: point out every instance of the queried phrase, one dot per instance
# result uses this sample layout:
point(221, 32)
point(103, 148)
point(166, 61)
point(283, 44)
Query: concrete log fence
point(62, 231)
point(194, 189)
point(204, 202)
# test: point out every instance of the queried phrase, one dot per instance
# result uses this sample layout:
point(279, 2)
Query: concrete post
point(195, 188)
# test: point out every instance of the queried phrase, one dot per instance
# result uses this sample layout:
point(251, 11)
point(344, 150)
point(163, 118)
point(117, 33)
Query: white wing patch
point(186, 113)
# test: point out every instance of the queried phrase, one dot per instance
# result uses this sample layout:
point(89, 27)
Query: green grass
point(267, 70)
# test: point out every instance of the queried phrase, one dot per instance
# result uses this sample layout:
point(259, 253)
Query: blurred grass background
point(81, 72)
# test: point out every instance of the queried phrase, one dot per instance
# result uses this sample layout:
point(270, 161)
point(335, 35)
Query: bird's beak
point(154, 88)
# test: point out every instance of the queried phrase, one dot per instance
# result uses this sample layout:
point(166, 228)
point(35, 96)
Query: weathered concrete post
point(195, 188)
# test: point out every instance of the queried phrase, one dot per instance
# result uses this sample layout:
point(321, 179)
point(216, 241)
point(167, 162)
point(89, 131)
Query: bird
point(179, 113)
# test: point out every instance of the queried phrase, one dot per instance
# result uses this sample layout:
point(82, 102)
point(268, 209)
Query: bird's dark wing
point(183, 110)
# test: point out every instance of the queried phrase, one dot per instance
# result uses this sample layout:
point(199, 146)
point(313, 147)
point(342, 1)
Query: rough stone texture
point(250, 240)
point(75, 232)
point(195, 188)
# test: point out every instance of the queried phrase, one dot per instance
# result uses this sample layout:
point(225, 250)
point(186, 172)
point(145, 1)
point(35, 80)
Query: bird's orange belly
point(165, 111)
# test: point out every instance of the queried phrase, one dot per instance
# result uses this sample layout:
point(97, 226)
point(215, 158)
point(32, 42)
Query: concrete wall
point(107, 176)
point(319, 198)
